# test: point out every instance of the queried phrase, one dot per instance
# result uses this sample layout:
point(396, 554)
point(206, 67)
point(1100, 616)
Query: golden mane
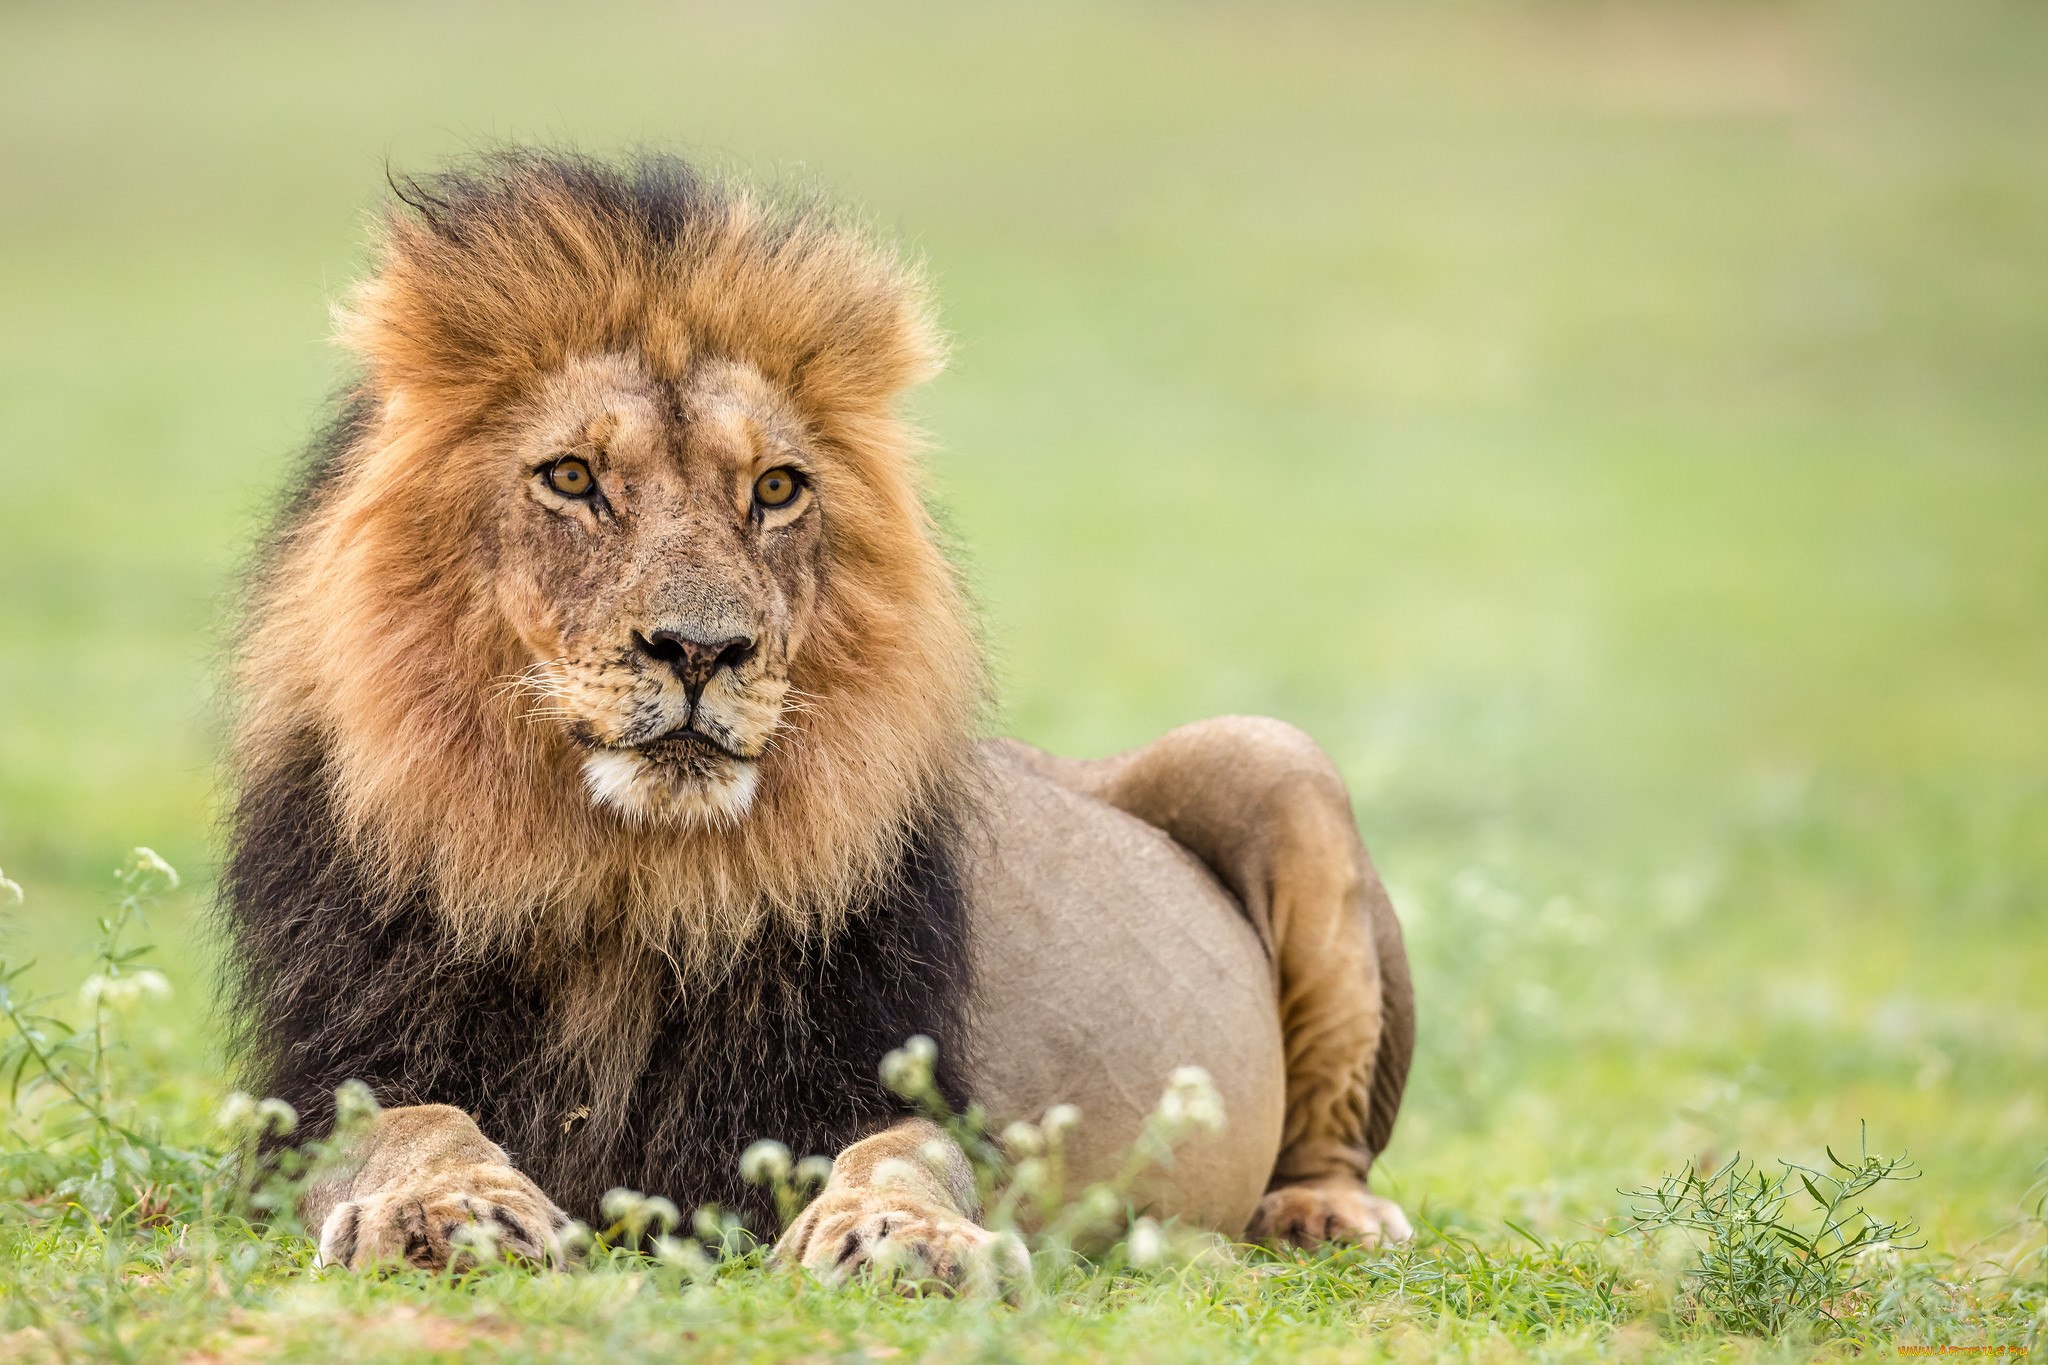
point(372, 647)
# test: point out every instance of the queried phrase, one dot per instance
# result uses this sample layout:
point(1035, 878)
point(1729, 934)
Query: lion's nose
point(695, 662)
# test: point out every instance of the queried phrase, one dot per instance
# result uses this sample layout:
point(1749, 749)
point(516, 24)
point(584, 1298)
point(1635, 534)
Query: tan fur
point(378, 629)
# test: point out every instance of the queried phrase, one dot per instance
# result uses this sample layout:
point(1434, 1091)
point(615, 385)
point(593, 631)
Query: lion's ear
point(338, 1236)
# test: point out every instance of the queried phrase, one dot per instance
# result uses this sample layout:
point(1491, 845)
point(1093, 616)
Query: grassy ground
point(1616, 431)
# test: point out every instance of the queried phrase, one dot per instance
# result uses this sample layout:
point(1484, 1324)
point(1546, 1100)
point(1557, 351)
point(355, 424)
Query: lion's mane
point(420, 893)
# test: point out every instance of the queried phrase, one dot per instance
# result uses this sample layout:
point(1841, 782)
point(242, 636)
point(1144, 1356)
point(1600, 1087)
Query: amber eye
point(571, 477)
point(776, 487)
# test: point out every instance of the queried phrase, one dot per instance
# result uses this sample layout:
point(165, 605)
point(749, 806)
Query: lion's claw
point(845, 1233)
point(1311, 1215)
point(458, 1217)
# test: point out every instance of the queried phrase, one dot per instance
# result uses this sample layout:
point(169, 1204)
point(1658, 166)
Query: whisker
point(535, 677)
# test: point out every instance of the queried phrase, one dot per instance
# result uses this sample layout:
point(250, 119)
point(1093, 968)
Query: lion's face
point(657, 553)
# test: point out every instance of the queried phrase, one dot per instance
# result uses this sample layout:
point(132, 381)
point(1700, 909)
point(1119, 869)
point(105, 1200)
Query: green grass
point(1619, 433)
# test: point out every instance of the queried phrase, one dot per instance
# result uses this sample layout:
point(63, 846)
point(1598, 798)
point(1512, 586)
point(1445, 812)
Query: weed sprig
point(1767, 1260)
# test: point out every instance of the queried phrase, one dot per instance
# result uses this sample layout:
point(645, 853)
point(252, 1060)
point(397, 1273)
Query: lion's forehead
point(718, 412)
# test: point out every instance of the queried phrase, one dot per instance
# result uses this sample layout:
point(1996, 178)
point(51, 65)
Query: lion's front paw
point(458, 1216)
point(1327, 1211)
point(845, 1232)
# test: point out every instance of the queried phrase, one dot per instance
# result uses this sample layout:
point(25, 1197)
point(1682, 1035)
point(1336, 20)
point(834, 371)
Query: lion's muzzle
point(695, 662)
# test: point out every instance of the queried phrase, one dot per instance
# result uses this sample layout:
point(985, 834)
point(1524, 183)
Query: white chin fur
point(635, 787)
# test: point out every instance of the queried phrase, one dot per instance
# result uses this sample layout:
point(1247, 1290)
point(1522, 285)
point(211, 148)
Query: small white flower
point(938, 1155)
point(119, 991)
point(621, 1206)
point(1146, 1246)
point(10, 891)
point(275, 1116)
point(896, 1171)
point(813, 1171)
point(147, 860)
point(907, 1070)
point(1191, 1101)
point(1060, 1120)
point(237, 1112)
point(1100, 1205)
point(892, 1257)
point(1022, 1139)
point(661, 1213)
point(479, 1238)
point(765, 1162)
point(354, 1104)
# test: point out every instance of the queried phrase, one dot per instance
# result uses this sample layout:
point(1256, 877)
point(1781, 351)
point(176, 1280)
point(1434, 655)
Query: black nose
point(695, 662)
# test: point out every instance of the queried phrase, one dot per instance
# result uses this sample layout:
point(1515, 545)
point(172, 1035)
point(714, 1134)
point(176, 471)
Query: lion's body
point(608, 774)
point(1106, 956)
point(1060, 950)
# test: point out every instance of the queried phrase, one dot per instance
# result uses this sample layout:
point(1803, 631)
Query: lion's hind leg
point(1261, 804)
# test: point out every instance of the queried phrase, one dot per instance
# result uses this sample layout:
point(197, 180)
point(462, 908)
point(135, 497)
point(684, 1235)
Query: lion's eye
point(571, 477)
point(776, 487)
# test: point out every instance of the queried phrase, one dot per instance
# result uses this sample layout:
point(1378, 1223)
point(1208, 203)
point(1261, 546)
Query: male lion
point(608, 787)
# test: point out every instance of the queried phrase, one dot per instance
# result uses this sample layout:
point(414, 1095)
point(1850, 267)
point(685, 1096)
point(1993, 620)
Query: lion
point(609, 795)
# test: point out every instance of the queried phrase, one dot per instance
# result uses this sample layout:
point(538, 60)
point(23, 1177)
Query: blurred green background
point(1618, 432)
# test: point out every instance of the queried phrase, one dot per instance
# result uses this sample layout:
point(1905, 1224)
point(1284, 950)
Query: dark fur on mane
point(653, 197)
point(333, 982)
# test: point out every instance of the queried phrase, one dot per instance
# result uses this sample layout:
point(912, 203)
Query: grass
point(1616, 432)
